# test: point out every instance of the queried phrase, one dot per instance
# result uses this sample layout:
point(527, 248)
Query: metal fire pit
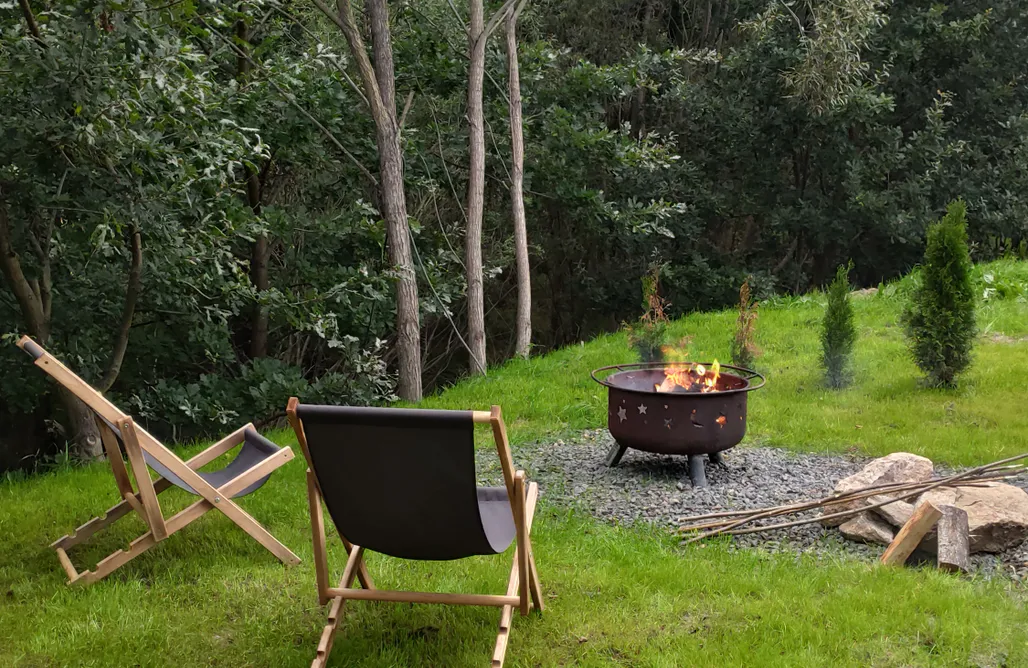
point(681, 422)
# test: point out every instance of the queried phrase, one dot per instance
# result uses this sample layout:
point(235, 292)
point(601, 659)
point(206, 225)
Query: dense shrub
point(940, 320)
point(838, 331)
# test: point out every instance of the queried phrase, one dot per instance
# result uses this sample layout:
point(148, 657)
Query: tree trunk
point(476, 187)
point(379, 88)
point(84, 436)
point(523, 321)
point(127, 312)
point(259, 251)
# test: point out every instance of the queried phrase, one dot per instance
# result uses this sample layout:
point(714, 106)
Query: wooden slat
point(335, 615)
point(114, 457)
point(318, 534)
point(83, 533)
point(503, 450)
point(151, 506)
point(423, 597)
point(954, 554)
point(507, 612)
point(907, 539)
point(482, 417)
point(218, 449)
point(521, 526)
point(69, 568)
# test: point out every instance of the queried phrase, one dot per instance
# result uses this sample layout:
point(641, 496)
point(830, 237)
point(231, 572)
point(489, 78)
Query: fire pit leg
point(716, 458)
point(697, 472)
point(615, 453)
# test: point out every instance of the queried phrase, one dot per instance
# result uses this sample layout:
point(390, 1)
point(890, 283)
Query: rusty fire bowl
point(675, 423)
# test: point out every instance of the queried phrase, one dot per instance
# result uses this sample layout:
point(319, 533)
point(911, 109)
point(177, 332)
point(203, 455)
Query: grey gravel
point(656, 489)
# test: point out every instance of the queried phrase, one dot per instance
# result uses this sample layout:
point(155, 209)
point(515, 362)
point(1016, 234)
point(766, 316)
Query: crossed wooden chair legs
point(522, 592)
point(146, 504)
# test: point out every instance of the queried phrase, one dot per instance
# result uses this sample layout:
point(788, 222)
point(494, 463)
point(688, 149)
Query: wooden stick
point(853, 495)
point(822, 503)
point(945, 481)
point(907, 539)
point(954, 554)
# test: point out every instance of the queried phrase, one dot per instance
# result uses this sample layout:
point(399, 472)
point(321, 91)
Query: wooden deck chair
point(402, 482)
point(250, 469)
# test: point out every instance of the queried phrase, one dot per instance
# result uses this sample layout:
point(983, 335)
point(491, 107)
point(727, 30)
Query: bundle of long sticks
point(731, 522)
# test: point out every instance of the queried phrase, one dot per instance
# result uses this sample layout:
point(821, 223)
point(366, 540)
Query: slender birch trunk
point(523, 321)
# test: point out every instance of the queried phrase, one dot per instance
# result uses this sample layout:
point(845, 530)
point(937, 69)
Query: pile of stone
point(997, 513)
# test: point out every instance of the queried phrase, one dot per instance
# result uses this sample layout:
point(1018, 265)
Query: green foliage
point(940, 320)
point(744, 347)
point(649, 336)
point(838, 331)
point(764, 139)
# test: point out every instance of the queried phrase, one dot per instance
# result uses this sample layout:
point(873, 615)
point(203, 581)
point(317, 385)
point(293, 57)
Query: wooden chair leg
point(354, 565)
point(513, 585)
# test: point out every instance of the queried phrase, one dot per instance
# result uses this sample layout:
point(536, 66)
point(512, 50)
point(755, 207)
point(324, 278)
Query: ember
point(689, 378)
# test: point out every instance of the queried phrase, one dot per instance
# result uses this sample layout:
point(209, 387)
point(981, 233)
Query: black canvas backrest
point(398, 481)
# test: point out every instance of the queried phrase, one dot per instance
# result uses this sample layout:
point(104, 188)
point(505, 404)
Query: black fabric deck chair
point(402, 482)
point(252, 466)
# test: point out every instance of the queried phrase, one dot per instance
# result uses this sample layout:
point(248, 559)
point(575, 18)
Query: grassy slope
point(211, 596)
point(884, 411)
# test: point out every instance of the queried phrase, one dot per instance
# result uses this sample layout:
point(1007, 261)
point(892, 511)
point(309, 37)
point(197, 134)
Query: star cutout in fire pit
point(667, 422)
point(622, 414)
point(642, 409)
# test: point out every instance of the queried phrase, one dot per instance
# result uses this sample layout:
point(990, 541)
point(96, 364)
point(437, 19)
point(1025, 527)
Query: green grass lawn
point(616, 596)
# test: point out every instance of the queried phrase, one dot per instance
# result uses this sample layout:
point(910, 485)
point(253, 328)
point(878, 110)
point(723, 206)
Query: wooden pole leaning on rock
point(954, 555)
point(909, 537)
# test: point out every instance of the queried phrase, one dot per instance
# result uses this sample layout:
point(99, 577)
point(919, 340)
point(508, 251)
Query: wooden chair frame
point(144, 501)
point(523, 592)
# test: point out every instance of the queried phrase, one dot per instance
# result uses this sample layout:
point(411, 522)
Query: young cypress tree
point(744, 349)
point(838, 331)
point(940, 321)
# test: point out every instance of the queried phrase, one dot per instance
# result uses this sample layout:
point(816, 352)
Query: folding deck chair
point(402, 482)
point(250, 469)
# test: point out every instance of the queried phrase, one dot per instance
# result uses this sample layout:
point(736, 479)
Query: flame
point(690, 377)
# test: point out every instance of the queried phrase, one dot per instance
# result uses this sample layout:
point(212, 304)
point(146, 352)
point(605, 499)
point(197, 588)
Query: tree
point(105, 161)
point(940, 320)
point(838, 333)
point(379, 90)
point(523, 317)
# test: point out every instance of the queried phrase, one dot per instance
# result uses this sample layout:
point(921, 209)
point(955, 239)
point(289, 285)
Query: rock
point(896, 513)
point(997, 513)
point(897, 467)
point(868, 528)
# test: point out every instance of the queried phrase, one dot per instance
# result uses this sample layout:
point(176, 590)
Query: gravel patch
point(656, 489)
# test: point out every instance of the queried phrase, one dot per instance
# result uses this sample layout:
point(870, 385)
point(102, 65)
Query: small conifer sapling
point(838, 331)
point(940, 320)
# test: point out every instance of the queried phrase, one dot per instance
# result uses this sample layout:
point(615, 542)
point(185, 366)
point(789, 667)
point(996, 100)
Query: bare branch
point(10, 266)
point(30, 20)
point(406, 108)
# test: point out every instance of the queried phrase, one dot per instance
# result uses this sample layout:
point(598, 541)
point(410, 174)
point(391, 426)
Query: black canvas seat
point(402, 482)
point(255, 449)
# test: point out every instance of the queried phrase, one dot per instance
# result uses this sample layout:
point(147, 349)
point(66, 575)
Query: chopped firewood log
point(907, 539)
point(953, 540)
